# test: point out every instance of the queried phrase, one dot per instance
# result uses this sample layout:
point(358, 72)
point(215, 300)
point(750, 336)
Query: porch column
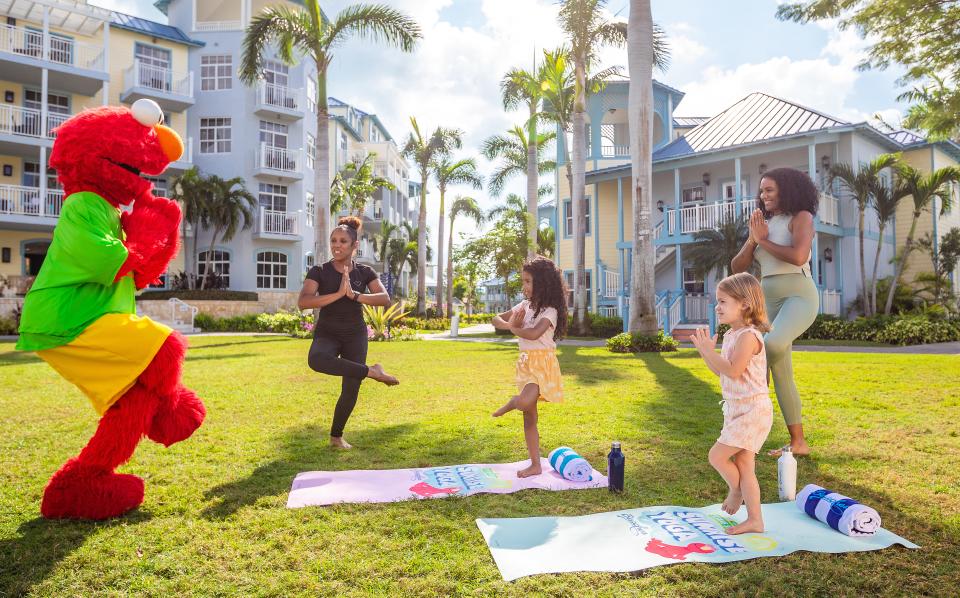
point(676, 202)
point(105, 91)
point(737, 194)
point(815, 251)
point(595, 218)
point(669, 118)
point(838, 260)
point(43, 170)
point(44, 108)
point(623, 279)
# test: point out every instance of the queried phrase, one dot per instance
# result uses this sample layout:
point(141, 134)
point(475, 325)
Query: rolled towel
point(570, 465)
point(843, 514)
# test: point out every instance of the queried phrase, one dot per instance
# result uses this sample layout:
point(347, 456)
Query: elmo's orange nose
point(170, 142)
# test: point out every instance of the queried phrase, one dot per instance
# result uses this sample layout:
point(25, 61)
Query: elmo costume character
point(80, 313)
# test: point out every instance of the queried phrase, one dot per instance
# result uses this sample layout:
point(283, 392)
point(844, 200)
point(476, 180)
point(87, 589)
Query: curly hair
point(796, 191)
point(549, 290)
point(350, 224)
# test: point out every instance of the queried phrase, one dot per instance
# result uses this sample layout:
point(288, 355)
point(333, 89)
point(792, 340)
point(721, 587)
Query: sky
point(720, 52)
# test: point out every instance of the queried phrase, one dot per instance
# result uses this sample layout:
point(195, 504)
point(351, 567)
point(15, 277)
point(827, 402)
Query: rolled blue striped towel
point(843, 514)
point(565, 461)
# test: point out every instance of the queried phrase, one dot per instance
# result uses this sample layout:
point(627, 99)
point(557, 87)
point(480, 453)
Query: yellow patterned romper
point(537, 363)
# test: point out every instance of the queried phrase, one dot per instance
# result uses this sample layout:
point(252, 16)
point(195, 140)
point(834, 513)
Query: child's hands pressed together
point(516, 320)
point(702, 340)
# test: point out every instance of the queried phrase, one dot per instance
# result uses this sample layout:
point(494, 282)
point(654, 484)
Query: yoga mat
point(390, 485)
point(635, 539)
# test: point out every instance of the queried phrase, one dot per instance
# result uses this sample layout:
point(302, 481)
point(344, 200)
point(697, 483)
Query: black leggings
point(341, 353)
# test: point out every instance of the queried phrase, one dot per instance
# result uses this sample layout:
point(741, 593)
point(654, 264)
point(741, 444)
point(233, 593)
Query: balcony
point(72, 66)
point(23, 127)
point(172, 91)
point(829, 209)
point(22, 207)
point(276, 101)
point(692, 219)
point(278, 162)
point(276, 224)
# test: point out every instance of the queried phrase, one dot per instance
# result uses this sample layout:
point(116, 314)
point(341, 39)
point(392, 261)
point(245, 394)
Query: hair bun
point(351, 221)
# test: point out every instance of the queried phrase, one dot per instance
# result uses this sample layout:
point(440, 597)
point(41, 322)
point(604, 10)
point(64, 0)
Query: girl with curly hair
point(538, 321)
point(780, 241)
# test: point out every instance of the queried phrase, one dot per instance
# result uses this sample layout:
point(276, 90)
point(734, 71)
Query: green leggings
point(792, 305)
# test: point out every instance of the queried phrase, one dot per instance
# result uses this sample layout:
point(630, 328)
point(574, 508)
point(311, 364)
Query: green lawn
point(214, 522)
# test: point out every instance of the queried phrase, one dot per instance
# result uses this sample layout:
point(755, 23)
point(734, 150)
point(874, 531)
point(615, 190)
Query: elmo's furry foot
point(79, 491)
point(177, 418)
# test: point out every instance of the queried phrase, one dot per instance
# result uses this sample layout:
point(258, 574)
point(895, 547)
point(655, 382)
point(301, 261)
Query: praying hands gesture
point(345, 289)
point(702, 340)
point(759, 230)
point(516, 320)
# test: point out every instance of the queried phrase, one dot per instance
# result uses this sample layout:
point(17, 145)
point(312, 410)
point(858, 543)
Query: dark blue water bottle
point(615, 468)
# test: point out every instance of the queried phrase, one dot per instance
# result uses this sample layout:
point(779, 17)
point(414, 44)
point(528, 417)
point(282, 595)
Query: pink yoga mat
point(316, 488)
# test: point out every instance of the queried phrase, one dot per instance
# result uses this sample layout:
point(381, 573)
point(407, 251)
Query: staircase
point(683, 332)
point(179, 317)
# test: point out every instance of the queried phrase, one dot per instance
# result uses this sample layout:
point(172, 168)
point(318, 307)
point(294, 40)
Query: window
point(216, 72)
point(311, 149)
point(308, 261)
point(276, 73)
point(312, 94)
point(374, 133)
point(568, 216)
point(271, 270)
point(273, 197)
point(730, 190)
point(691, 282)
point(219, 265)
point(310, 207)
point(214, 135)
point(56, 103)
point(587, 284)
point(273, 134)
point(153, 67)
point(159, 186)
point(693, 194)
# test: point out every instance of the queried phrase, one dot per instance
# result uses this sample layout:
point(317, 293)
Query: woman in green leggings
point(780, 241)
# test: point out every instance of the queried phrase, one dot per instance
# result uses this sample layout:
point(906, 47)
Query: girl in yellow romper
point(538, 321)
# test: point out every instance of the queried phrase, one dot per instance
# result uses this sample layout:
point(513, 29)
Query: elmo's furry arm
point(152, 231)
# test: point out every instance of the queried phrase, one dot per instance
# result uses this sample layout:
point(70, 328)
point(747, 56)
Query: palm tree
point(447, 172)
point(924, 189)
point(861, 183)
point(714, 249)
point(511, 149)
point(192, 190)
point(647, 48)
point(461, 206)
point(229, 209)
point(546, 241)
point(353, 186)
point(425, 152)
point(384, 237)
point(307, 31)
point(885, 202)
point(521, 87)
point(514, 211)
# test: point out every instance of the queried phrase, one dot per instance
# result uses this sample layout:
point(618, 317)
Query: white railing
point(674, 314)
point(25, 201)
point(658, 230)
point(611, 151)
point(158, 78)
point(697, 307)
point(661, 308)
point(182, 315)
point(27, 42)
point(218, 26)
point(710, 216)
point(611, 284)
point(276, 222)
point(829, 210)
point(269, 94)
point(830, 302)
point(54, 120)
point(278, 158)
point(608, 311)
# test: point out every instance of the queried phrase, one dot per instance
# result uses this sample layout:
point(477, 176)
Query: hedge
point(198, 295)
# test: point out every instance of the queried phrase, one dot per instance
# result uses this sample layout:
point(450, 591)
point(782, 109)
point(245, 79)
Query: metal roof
point(690, 121)
point(904, 137)
point(757, 117)
point(71, 15)
point(151, 28)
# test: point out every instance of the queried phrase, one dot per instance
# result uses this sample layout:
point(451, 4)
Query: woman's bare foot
point(376, 372)
point(799, 449)
point(731, 504)
point(527, 472)
point(339, 442)
point(750, 526)
point(507, 407)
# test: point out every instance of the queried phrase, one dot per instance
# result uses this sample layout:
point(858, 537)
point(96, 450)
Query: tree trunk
point(643, 317)
point(533, 183)
point(195, 257)
point(450, 270)
point(863, 267)
point(873, 277)
point(902, 263)
point(422, 245)
point(321, 165)
point(576, 198)
point(206, 262)
point(440, 231)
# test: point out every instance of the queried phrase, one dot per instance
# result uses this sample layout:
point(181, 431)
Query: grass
point(214, 523)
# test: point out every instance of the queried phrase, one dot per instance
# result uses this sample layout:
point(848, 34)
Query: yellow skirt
point(108, 357)
point(540, 367)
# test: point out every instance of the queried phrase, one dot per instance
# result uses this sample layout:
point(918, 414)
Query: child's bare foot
point(376, 372)
point(750, 526)
point(527, 472)
point(507, 407)
point(339, 442)
point(731, 504)
point(799, 449)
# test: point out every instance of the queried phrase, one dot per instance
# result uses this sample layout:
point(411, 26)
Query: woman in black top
point(340, 288)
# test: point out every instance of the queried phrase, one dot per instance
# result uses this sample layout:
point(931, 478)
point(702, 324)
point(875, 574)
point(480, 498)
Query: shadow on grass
point(18, 358)
point(588, 369)
point(219, 357)
point(27, 560)
point(258, 339)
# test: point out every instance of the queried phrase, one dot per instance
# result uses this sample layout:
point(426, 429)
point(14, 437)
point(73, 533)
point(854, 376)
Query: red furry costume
point(79, 315)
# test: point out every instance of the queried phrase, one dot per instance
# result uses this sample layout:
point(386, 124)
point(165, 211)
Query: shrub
point(914, 330)
point(8, 326)
point(721, 330)
point(198, 295)
point(605, 326)
point(247, 323)
point(475, 318)
point(620, 343)
point(285, 322)
point(627, 342)
point(426, 324)
point(382, 320)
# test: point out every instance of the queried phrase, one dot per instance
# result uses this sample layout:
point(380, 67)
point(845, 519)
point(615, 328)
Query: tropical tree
point(192, 190)
point(924, 189)
point(383, 238)
point(886, 198)
point(861, 184)
point(646, 48)
point(229, 209)
point(510, 149)
point(425, 151)
point(468, 208)
point(306, 31)
point(354, 186)
point(449, 172)
point(944, 254)
point(712, 250)
point(546, 241)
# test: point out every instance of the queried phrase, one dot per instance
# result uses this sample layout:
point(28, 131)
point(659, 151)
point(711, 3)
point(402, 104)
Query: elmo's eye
point(147, 112)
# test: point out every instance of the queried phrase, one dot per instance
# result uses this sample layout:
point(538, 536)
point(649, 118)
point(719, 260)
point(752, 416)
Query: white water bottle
point(787, 475)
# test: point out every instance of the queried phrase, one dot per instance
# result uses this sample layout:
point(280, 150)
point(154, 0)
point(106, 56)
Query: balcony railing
point(707, 216)
point(829, 210)
point(16, 120)
point(158, 78)
point(25, 201)
point(830, 302)
point(614, 151)
point(218, 26)
point(276, 222)
point(279, 96)
point(611, 284)
point(27, 42)
point(278, 158)
point(696, 307)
